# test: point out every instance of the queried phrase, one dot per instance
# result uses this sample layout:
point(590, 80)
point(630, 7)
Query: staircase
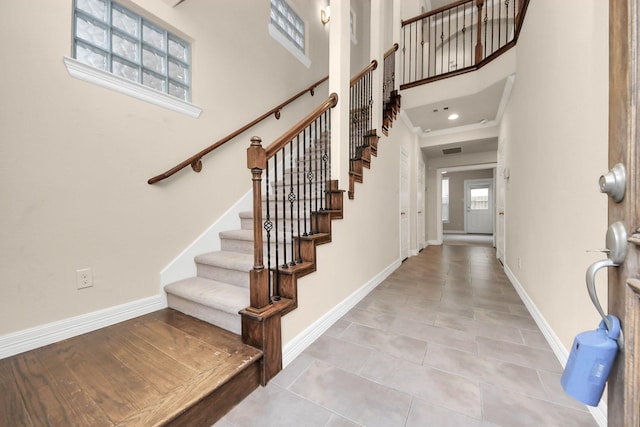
point(220, 290)
point(246, 287)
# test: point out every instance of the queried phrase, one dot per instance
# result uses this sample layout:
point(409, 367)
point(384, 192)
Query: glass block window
point(288, 23)
point(112, 38)
point(445, 199)
point(479, 199)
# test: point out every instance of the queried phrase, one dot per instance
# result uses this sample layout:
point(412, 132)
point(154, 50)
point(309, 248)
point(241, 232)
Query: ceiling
point(472, 109)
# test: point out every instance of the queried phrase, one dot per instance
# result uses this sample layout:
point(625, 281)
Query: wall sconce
point(325, 15)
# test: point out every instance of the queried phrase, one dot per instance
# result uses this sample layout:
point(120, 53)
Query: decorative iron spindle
point(268, 226)
point(462, 36)
point(295, 187)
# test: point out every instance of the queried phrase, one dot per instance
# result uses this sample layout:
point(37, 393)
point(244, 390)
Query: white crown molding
point(407, 121)
point(39, 336)
point(108, 80)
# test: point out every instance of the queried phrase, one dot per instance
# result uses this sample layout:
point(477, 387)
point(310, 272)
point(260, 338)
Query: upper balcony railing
point(458, 38)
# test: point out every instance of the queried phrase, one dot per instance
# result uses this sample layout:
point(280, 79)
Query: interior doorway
point(478, 206)
point(455, 204)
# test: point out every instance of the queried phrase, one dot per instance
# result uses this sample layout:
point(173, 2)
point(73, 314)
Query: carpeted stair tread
point(210, 293)
point(226, 259)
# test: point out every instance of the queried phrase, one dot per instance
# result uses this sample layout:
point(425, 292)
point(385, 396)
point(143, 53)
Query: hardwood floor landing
point(164, 368)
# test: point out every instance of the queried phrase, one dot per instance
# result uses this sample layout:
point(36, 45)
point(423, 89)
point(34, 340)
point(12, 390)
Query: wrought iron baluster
point(305, 196)
point(449, 41)
point(276, 272)
point(328, 143)
point(292, 199)
point(298, 172)
point(430, 47)
point(316, 169)
point(268, 226)
point(284, 212)
point(464, 33)
point(499, 20)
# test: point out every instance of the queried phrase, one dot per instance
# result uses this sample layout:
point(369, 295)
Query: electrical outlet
point(84, 278)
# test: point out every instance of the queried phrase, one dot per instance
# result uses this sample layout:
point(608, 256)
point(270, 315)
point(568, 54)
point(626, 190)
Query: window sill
point(105, 79)
point(277, 35)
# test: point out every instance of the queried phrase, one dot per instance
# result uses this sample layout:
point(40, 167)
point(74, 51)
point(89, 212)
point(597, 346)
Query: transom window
point(112, 38)
point(288, 23)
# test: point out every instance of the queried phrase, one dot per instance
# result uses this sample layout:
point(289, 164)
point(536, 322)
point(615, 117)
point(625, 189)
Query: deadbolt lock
point(614, 182)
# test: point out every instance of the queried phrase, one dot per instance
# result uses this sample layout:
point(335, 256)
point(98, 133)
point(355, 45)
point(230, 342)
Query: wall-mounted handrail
point(196, 160)
point(372, 66)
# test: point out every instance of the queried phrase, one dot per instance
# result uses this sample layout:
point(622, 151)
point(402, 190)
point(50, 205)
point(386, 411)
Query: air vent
point(454, 150)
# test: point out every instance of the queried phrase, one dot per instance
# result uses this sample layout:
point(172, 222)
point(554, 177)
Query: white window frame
point(107, 79)
point(279, 34)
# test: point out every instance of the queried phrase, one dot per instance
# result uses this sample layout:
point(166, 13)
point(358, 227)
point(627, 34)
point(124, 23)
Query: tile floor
point(444, 341)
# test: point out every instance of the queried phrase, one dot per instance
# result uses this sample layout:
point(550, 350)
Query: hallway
point(444, 341)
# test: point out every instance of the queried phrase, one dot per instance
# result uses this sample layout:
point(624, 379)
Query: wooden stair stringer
point(262, 328)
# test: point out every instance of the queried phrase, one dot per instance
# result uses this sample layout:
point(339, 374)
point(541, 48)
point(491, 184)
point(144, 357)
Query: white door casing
point(421, 206)
point(404, 204)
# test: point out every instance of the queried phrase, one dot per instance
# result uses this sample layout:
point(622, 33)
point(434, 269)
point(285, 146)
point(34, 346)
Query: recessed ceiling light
point(453, 116)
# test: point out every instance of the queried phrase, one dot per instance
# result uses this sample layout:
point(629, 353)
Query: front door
point(623, 406)
point(478, 202)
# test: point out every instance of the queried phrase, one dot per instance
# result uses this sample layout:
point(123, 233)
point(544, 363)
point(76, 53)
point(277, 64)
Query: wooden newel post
point(478, 58)
point(259, 286)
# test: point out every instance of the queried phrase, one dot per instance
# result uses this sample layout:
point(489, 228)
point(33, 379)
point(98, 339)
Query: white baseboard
point(434, 242)
point(600, 412)
point(304, 339)
point(39, 336)
point(454, 232)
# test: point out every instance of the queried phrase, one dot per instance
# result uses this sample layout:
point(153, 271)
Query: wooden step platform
point(161, 369)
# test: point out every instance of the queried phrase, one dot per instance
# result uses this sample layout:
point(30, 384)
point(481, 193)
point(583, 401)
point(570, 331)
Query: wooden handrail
point(196, 160)
point(435, 11)
point(331, 102)
point(372, 66)
point(391, 51)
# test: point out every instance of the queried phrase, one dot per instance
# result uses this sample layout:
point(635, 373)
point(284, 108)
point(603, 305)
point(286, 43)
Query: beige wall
point(75, 158)
point(555, 136)
point(360, 51)
point(456, 196)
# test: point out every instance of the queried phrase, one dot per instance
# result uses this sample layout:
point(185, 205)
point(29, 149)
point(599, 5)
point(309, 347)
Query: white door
point(478, 202)
point(404, 205)
point(420, 202)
